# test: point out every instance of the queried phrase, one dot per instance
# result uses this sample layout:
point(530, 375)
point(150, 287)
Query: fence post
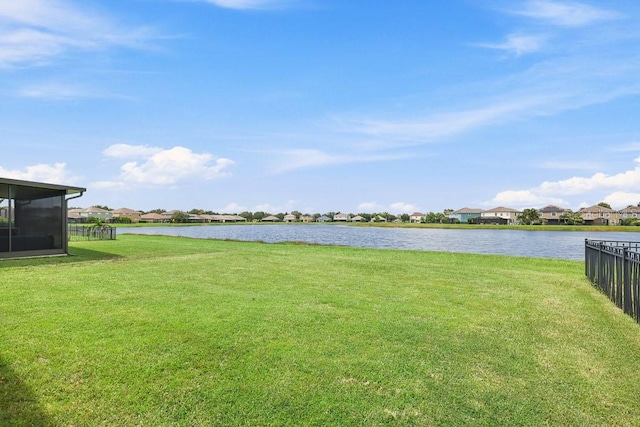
point(626, 280)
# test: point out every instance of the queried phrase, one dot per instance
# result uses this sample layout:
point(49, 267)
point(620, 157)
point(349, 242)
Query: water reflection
point(545, 244)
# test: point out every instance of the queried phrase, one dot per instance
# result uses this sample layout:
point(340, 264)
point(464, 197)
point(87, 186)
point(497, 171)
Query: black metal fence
point(614, 268)
point(79, 232)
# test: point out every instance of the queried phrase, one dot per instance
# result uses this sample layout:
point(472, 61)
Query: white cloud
point(130, 151)
point(621, 187)
point(622, 199)
point(157, 166)
point(518, 44)
point(52, 174)
point(233, 208)
point(523, 199)
point(34, 32)
point(566, 14)
point(401, 207)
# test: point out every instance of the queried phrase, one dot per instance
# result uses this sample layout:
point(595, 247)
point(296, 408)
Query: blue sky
point(324, 105)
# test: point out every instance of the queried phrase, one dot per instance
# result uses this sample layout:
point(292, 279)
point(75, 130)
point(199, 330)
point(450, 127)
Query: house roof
point(417, 214)
point(30, 187)
point(551, 208)
point(153, 215)
point(468, 211)
point(502, 209)
point(631, 209)
point(596, 208)
point(125, 211)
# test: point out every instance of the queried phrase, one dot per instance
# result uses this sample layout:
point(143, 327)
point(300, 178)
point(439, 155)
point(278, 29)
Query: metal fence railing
point(79, 232)
point(614, 268)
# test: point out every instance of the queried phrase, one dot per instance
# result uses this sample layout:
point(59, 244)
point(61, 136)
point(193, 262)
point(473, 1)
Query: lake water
point(545, 244)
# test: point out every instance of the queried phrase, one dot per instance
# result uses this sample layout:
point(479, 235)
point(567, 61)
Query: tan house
point(340, 217)
point(289, 218)
point(551, 214)
point(154, 217)
point(500, 215)
point(599, 215)
point(630, 212)
point(91, 212)
point(416, 217)
point(126, 213)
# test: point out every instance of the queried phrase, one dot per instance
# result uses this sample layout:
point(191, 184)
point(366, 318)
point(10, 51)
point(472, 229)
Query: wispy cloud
point(251, 4)
point(64, 91)
point(566, 14)
point(306, 158)
point(35, 32)
point(518, 44)
point(153, 166)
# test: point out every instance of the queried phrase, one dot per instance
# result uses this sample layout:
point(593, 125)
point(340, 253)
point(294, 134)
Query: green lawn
point(151, 330)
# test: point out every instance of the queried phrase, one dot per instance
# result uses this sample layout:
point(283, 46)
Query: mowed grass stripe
point(157, 330)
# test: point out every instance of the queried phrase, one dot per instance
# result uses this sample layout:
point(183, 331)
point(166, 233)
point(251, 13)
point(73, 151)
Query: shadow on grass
point(19, 406)
point(75, 255)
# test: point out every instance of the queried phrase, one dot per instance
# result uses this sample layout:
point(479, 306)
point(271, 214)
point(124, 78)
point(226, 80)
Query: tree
point(405, 217)
point(196, 211)
point(529, 216)
point(365, 216)
point(257, 216)
point(571, 218)
point(179, 216)
point(604, 205)
point(105, 207)
point(246, 215)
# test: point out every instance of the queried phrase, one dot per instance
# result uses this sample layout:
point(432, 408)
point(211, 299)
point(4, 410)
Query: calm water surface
point(545, 244)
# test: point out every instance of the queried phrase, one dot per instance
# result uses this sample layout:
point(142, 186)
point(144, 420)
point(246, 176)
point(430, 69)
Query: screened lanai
point(33, 218)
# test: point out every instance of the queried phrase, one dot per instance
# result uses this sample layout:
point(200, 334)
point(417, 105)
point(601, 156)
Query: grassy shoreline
point(159, 330)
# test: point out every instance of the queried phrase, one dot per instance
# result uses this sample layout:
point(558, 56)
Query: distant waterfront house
point(270, 218)
point(630, 212)
point(341, 217)
point(599, 215)
point(323, 218)
point(508, 214)
point(154, 217)
point(551, 214)
point(357, 218)
point(416, 217)
point(465, 214)
point(91, 212)
point(306, 218)
point(133, 215)
point(290, 218)
point(33, 218)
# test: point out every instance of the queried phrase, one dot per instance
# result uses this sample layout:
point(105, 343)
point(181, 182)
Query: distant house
point(290, 218)
point(630, 212)
point(341, 217)
point(416, 217)
point(599, 215)
point(306, 218)
point(153, 217)
point(270, 218)
point(464, 215)
point(357, 218)
point(323, 218)
point(551, 214)
point(133, 215)
point(499, 215)
point(83, 215)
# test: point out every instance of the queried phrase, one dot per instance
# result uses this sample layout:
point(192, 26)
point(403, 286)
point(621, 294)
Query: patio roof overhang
point(31, 189)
